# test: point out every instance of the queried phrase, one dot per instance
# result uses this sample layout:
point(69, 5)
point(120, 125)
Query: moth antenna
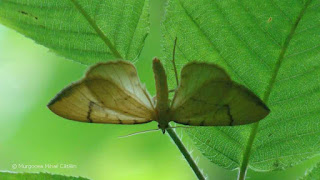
point(140, 132)
point(173, 61)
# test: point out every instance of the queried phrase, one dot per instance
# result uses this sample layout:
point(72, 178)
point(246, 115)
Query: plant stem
point(185, 153)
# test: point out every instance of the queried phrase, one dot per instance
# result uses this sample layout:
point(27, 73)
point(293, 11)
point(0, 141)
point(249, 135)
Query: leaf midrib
point(99, 32)
point(269, 88)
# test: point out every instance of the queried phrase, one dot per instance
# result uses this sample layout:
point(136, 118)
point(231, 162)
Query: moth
point(112, 93)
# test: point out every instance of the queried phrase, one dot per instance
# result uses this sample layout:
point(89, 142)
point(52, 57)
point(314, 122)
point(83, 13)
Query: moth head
point(163, 126)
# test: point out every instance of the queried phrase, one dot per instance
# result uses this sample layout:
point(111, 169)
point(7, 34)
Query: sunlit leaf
point(84, 31)
point(272, 48)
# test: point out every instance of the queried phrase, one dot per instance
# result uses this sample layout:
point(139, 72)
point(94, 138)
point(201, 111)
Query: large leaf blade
point(71, 28)
point(261, 45)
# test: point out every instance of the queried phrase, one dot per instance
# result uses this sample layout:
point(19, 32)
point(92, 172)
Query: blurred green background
point(30, 75)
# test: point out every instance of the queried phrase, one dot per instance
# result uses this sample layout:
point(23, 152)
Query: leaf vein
point(97, 29)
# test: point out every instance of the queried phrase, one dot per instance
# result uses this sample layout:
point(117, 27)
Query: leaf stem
point(101, 34)
point(254, 131)
point(185, 153)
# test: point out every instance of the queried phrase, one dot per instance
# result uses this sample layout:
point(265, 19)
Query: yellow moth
point(111, 93)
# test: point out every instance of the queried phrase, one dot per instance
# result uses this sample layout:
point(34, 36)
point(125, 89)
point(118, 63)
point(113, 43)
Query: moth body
point(162, 95)
point(163, 121)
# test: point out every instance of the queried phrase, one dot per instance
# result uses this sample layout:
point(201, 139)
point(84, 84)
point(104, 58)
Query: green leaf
point(81, 30)
point(272, 48)
point(313, 174)
point(38, 176)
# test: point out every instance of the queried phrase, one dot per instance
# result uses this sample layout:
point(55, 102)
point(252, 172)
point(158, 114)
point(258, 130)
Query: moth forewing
point(118, 99)
point(245, 106)
point(193, 76)
point(73, 102)
point(106, 95)
point(207, 97)
point(205, 106)
point(125, 76)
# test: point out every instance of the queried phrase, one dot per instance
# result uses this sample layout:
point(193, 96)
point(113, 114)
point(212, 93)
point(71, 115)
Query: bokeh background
point(31, 75)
